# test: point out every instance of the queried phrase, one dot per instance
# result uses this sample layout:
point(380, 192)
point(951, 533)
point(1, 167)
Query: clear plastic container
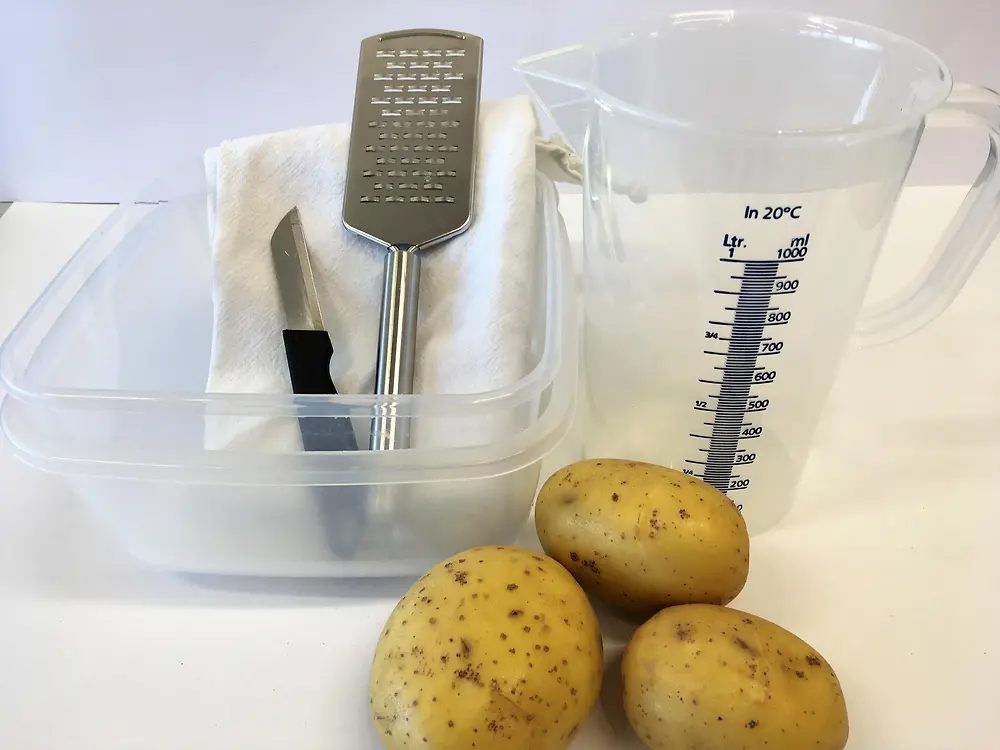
point(105, 377)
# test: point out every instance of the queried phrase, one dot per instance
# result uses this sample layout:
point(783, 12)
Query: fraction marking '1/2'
point(747, 361)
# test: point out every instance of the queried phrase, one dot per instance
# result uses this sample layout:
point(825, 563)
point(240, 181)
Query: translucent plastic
point(106, 378)
point(741, 169)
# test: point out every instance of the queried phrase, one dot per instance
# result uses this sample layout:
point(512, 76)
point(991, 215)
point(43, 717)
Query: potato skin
point(496, 647)
point(642, 537)
point(714, 678)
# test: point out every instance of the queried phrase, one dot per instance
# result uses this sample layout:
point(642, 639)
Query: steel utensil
point(410, 179)
point(308, 351)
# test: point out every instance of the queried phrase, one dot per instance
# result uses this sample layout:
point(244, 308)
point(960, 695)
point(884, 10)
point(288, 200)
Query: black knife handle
point(343, 509)
point(308, 354)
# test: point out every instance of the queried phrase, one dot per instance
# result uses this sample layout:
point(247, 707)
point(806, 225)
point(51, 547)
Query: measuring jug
point(740, 171)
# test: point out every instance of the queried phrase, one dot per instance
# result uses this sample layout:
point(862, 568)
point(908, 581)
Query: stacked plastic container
point(105, 379)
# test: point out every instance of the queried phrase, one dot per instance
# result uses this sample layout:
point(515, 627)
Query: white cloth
point(473, 327)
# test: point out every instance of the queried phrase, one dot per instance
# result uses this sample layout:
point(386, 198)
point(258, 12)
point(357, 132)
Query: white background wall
point(97, 95)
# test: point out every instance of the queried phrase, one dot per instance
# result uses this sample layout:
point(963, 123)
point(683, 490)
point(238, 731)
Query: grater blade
point(412, 158)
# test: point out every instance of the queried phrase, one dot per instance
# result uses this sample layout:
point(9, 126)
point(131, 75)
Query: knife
point(308, 352)
point(308, 349)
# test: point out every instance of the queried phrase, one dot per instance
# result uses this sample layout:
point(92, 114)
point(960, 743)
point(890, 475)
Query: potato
point(714, 678)
point(496, 647)
point(643, 537)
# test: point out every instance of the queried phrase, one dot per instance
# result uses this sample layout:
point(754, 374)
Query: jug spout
point(559, 82)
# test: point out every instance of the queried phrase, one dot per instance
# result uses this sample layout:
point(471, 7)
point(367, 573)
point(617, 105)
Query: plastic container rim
point(556, 369)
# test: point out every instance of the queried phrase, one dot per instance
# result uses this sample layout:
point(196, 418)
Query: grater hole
point(416, 65)
point(444, 198)
point(395, 66)
point(430, 76)
point(391, 113)
point(385, 53)
point(432, 53)
point(383, 76)
point(454, 76)
point(451, 100)
point(440, 64)
point(455, 53)
point(408, 52)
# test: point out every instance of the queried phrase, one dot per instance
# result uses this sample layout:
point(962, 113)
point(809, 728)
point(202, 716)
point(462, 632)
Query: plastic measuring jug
point(740, 171)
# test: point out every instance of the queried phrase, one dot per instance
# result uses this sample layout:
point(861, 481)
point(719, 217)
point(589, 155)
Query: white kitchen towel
point(474, 326)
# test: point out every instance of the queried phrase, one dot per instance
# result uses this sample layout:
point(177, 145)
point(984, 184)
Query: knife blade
point(308, 352)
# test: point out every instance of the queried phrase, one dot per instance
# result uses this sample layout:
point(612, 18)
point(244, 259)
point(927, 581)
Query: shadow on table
point(329, 590)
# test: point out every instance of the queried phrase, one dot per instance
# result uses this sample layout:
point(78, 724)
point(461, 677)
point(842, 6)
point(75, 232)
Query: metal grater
point(410, 178)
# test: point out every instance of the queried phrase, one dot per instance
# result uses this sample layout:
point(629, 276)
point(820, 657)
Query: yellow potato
point(714, 678)
point(643, 537)
point(494, 648)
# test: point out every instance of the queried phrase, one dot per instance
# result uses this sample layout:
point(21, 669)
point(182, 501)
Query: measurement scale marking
point(758, 263)
point(749, 322)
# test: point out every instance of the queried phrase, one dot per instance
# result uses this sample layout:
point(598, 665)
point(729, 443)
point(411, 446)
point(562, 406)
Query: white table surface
point(889, 564)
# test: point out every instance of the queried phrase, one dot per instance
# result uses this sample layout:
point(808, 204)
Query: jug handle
point(969, 234)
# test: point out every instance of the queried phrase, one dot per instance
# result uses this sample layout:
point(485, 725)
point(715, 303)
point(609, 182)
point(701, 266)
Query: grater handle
point(396, 345)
